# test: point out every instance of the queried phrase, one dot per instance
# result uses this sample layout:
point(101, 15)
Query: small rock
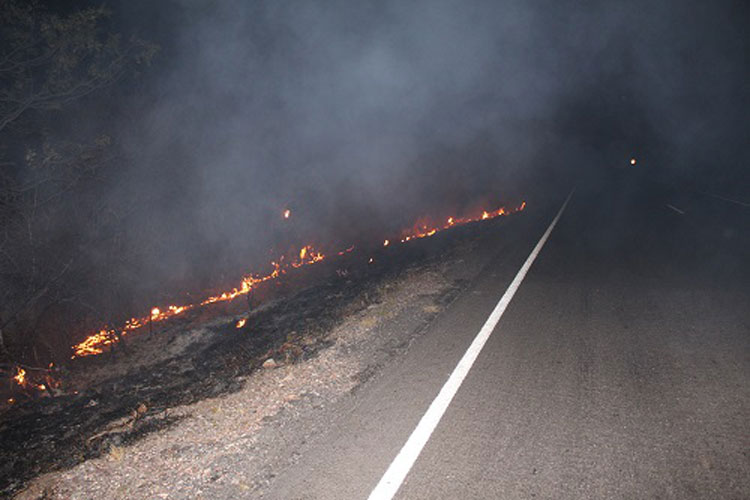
point(270, 363)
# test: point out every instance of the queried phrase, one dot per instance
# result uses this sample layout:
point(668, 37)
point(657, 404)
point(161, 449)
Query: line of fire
point(35, 381)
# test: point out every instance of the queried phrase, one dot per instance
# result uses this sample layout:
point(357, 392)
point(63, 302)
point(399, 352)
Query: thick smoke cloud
point(361, 116)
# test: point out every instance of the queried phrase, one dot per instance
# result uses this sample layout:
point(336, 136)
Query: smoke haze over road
point(375, 111)
point(361, 117)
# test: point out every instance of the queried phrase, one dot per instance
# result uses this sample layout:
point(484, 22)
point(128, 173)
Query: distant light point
point(633, 161)
point(287, 213)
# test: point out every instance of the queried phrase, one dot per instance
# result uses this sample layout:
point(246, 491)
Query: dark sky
point(364, 115)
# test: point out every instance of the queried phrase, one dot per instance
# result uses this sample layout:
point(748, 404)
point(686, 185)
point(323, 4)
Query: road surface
point(620, 369)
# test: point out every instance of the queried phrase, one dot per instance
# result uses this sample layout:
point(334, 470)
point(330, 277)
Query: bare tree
point(51, 188)
point(47, 61)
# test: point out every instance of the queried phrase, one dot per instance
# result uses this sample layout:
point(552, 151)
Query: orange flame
point(307, 255)
point(20, 376)
point(425, 231)
point(97, 342)
point(241, 323)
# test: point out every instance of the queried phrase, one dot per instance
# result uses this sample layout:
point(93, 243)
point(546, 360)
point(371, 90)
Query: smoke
point(361, 116)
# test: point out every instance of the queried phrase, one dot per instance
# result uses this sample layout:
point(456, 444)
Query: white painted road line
point(681, 212)
point(402, 464)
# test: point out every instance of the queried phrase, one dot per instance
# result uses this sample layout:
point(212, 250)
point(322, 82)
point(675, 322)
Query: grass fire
point(228, 227)
point(97, 342)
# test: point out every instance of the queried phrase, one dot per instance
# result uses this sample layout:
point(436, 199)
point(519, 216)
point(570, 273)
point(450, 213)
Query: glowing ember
point(241, 323)
point(42, 387)
point(97, 342)
point(20, 376)
point(633, 161)
point(344, 252)
point(11, 401)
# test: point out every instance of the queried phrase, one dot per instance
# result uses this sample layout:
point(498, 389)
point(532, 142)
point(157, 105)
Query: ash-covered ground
point(202, 408)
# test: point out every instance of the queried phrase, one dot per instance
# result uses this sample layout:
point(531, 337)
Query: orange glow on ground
point(97, 342)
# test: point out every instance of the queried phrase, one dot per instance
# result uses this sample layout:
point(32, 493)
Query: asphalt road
point(621, 368)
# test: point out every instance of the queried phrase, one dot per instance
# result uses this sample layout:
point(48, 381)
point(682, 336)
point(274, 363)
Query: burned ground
point(118, 399)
